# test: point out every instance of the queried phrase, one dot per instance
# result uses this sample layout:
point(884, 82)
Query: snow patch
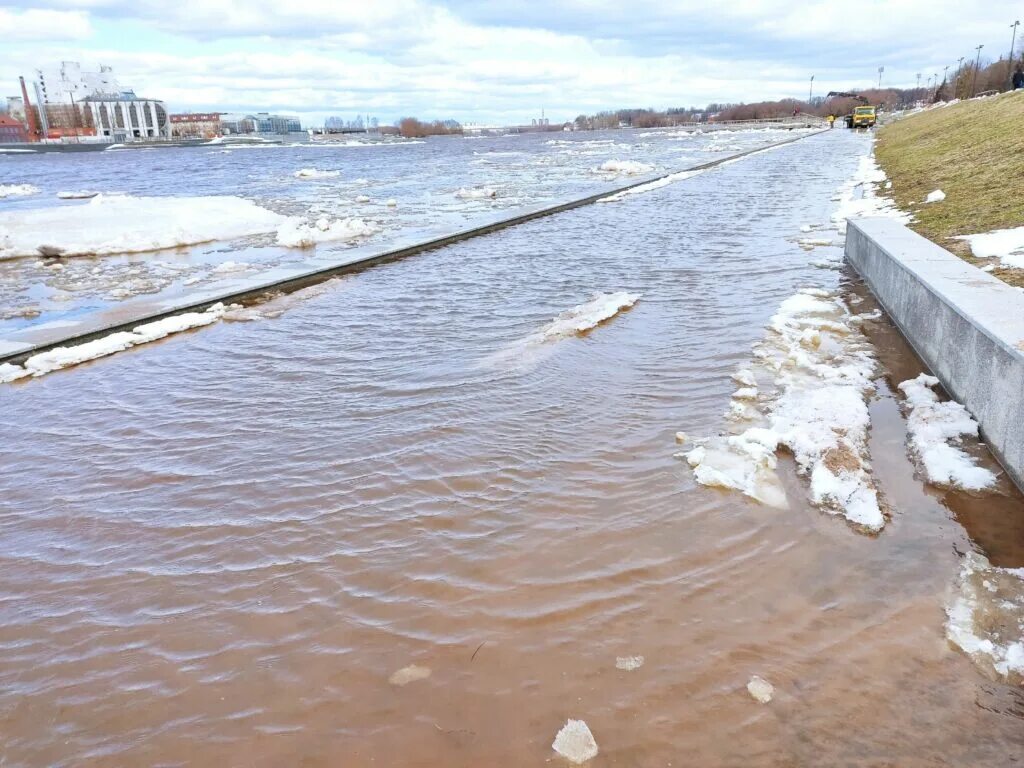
point(935, 197)
point(868, 203)
point(1005, 244)
point(932, 426)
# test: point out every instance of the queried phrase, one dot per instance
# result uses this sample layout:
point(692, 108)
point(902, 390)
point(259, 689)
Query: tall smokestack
point(30, 118)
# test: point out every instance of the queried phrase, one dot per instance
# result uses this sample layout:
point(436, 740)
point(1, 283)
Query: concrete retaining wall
point(966, 325)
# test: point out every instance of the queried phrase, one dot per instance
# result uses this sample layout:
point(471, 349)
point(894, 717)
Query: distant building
point(12, 130)
point(260, 122)
point(196, 125)
point(73, 102)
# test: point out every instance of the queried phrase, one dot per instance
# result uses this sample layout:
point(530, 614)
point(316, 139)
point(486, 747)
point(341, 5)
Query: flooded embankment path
point(393, 527)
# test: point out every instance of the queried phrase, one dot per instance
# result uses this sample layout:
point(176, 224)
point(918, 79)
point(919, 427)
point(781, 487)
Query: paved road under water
point(217, 550)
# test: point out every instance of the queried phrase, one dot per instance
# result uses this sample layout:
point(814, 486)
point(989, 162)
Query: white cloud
point(35, 24)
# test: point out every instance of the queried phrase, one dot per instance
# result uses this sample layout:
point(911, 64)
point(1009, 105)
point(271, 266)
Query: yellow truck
point(862, 117)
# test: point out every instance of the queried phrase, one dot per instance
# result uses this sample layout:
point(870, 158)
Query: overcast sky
point(493, 60)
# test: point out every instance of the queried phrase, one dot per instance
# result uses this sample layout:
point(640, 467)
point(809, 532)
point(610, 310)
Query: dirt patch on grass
point(974, 152)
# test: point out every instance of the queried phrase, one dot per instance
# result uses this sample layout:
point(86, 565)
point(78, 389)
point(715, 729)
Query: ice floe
point(81, 194)
point(1007, 245)
point(624, 167)
point(476, 193)
point(64, 357)
point(584, 317)
point(760, 689)
point(820, 365)
point(933, 428)
point(316, 173)
point(123, 224)
point(296, 233)
point(985, 617)
point(629, 663)
point(656, 184)
point(409, 674)
point(17, 190)
point(575, 742)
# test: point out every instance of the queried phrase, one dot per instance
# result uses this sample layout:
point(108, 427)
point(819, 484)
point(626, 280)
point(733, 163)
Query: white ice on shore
point(869, 203)
point(985, 617)
point(583, 317)
point(296, 233)
point(656, 184)
point(123, 224)
point(821, 367)
point(931, 426)
point(17, 190)
point(935, 197)
point(64, 357)
point(624, 167)
point(476, 193)
point(316, 173)
point(1007, 245)
point(575, 742)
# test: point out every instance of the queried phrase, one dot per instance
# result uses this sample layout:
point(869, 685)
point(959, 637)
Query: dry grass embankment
point(974, 152)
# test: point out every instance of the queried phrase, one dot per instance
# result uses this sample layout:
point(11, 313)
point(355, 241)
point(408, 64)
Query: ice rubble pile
point(819, 365)
point(123, 224)
point(575, 742)
point(588, 315)
point(296, 233)
point(985, 617)
point(1007, 245)
point(63, 357)
point(477, 193)
point(624, 167)
point(932, 425)
point(17, 190)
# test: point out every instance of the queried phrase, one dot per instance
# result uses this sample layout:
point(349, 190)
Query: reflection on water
point(333, 538)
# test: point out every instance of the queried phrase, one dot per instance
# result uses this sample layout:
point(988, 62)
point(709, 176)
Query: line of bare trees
point(411, 128)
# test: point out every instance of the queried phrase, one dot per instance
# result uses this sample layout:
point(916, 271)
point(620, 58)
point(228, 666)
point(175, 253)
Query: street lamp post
point(1013, 42)
point(959, 74)
point(880, 71)
point(810, 93)
point(977, 63)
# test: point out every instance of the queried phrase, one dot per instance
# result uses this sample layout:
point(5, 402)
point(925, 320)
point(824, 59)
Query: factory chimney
point(30, 117)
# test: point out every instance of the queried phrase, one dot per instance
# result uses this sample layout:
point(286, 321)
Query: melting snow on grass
point(985, 618)
point(1007, 245)
point(858, 197)
point(819, 366)
point(296, 233)
point(64, 357)
point(575, 742)
point(933, 426)
point(17, 190)
point(935, 197)
point(122, 224)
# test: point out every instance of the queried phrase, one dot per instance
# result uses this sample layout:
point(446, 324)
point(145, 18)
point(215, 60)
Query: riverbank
point(973, 152)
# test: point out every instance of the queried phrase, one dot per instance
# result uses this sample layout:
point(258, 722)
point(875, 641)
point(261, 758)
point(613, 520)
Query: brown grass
point(974, 152)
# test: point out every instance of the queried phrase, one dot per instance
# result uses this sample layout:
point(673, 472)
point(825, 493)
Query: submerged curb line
point(967, 326)
point(312, 277)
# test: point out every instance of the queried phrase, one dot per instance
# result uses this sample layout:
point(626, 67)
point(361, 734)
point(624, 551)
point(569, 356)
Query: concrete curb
point(362, 261)
point(967, 326)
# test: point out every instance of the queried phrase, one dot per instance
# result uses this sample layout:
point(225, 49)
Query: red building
point(11, 130)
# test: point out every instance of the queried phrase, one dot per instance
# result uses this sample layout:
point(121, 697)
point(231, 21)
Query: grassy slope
point(972, 151)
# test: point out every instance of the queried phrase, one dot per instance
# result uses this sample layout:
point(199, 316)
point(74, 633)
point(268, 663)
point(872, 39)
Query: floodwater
point(220, 549)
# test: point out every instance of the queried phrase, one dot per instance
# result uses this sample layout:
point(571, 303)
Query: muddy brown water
point(217, 550)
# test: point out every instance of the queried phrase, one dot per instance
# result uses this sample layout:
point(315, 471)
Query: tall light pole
point(810, 93)
point(959, 74)
point(880, 71)
point(1013, 42)
point(919, 81)
point(977, 63)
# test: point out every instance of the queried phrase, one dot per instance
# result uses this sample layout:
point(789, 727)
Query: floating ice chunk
point(1005, 244)
point(935, 197)
point(362, 198)
point(17, 190)
point(656, 184)
point(629, 663)
point(316, 173)
point(681, 437)
point(760, 689)
point(745, 463)
point(745, 377)
point(123, 224)
point(477, 193)
point(746, 393)
point(391, 203)
point(583, 317)
point(409, 674)
point(296, 233)
point(805, 227)
point(931, 425)
point(624, 167)
point(985, 617)
point(82, 194)
point(575, 742)
point(227, 267)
